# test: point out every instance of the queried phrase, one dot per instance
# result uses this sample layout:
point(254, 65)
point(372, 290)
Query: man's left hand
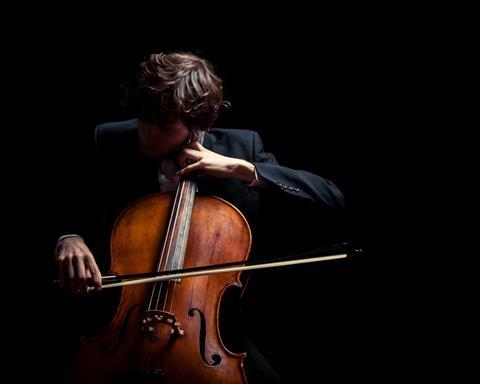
point(207, 162)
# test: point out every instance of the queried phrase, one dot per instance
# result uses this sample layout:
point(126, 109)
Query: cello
point(167, 332)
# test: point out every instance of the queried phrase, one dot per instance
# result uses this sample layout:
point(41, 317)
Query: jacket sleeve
point(298, 183)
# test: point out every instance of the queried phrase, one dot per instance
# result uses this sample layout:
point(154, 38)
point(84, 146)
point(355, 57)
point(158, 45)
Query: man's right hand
point(76, 265)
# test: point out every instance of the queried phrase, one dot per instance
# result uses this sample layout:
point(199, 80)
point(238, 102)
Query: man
point(175, 96)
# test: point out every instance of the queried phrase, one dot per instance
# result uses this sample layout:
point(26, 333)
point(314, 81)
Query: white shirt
point(167, 179)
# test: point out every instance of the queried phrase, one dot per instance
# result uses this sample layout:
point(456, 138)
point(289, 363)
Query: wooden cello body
point(169, 332)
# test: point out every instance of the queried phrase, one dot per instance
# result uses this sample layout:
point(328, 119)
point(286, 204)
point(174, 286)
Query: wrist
point(62, 238)
point(245, 171)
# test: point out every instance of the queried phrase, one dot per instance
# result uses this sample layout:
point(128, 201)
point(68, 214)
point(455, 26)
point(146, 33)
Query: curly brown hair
point(176, 86)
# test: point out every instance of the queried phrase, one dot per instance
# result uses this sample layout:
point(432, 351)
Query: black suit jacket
point(126, 175)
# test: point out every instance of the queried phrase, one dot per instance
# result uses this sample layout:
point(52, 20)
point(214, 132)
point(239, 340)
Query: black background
point(333, 106)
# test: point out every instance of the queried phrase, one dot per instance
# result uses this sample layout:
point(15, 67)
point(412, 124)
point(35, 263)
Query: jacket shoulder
point(234, 138)
point(232, 133)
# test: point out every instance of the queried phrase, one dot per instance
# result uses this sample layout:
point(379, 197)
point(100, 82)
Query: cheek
point(151, 137)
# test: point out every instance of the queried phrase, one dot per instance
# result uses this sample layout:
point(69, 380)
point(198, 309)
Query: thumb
point(196, 145)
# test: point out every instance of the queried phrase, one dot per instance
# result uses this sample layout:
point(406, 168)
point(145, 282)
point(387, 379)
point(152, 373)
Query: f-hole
point(216, 359)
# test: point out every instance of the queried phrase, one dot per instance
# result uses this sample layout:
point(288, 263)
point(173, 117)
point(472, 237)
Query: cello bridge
point(151, 318)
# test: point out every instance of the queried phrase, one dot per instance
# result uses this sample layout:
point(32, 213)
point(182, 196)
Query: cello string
point(167, 237)
point(175, 222)
point(161, 258)
point(189, 185)
point(175, 204)
point(174, 283)
point(200, 137)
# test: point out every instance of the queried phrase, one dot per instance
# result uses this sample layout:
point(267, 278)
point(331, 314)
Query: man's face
point(160, 140)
